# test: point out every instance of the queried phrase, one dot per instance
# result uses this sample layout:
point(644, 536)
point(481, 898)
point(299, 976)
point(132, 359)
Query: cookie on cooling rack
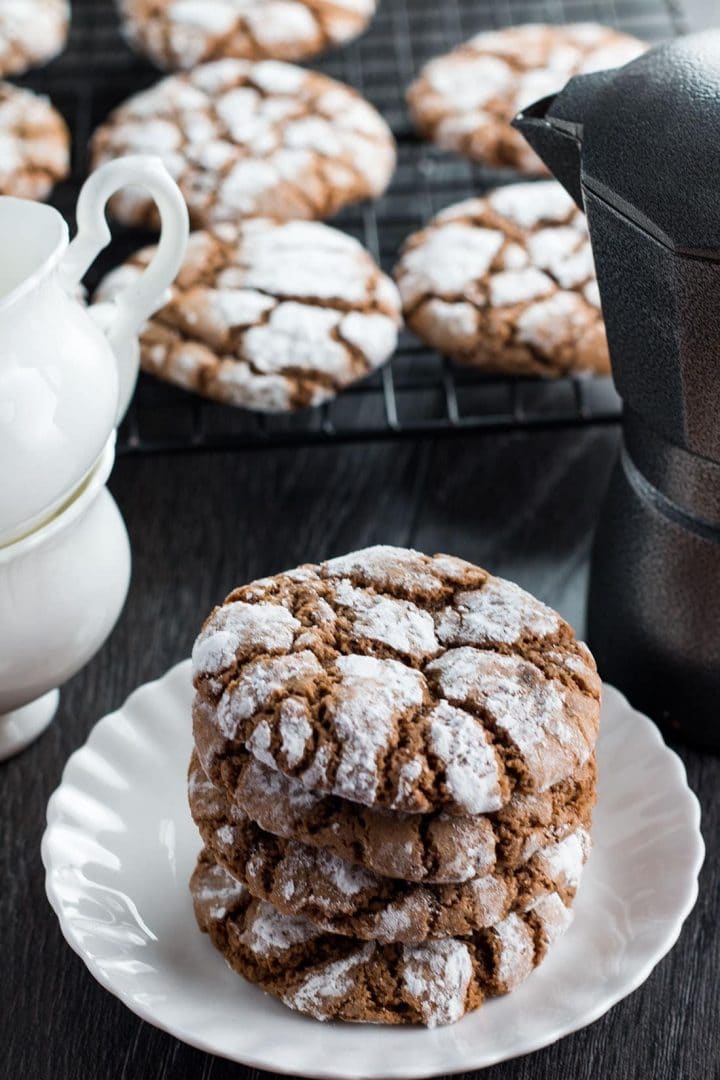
point(245, 139)
point(184, 33)
point(397, 680)
point(31, 32)
point(34, 144)
point(507, 284)
point(272, 316)
point(465, 100)
point(329, 976)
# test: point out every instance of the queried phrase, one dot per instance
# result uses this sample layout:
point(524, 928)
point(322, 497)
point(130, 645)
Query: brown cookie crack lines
point(434, 848)
point(252, 139)
point(465, 100)
point(404, 733)
point(343, 898)
point(507, 283)
point(184, 33)
point(35, 144)
point(31, 32)
point(333, 977)
point(269, 315)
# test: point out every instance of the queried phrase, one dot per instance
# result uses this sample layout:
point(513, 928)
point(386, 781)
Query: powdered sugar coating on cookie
point(471, 765)
point(247, 628)
point(31, 32)
point(184, 33)
point(554, 916)
point(524, 705)
point(386, 718)
point(251, 139)
point(370, 694)
point(219, 891)
point(500, 611)
point(270, 932)
point(516, 951)
point(34, 144)
point(266, 315)
point(330, 983)
point(564, 861)
point(260, 680)
point(507, 283)
point(437, 976)
point(465, 100)
point(395, 623)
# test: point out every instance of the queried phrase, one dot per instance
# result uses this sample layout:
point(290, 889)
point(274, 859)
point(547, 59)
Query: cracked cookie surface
point(329, 976)
point(247, 139)
point(398, 680)
point(184, 33)
point(506, 283)
point(464, 101)
point(433, 848)
point(31, 32)
point(268, 315)
point(344, 898)
point(34, 144)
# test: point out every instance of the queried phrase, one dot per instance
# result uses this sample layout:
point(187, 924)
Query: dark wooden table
point(522, 505)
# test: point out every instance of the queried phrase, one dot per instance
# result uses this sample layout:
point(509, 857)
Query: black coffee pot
point(639, 149)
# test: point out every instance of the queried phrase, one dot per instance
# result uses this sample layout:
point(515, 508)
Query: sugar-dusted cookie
point(329, 976)
point(268, 315)
point(435, 848)
point(465, 100)
point(184, 33)
point(31, 32)
point(507, 284)
point(344, 898)
point(397, 680)
point(250, 139)
point(34, 144)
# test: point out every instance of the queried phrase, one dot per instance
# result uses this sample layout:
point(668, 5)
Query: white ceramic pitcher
point(62, 588)
point(67, 371)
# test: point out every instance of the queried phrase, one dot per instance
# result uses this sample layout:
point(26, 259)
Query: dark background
point(522, 503)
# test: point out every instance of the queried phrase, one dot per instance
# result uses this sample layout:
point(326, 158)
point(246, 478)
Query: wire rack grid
point(418, 393)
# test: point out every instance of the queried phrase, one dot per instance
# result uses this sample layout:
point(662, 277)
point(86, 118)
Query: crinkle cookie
point(397, 680)
point(465, 100)
point(34, 144)
point(184, 33)
point(268, 315)
point(433, 848)
point(249, 139)
point(344, 898)
point(507, 284)
point(330, 977)
point(31, 32)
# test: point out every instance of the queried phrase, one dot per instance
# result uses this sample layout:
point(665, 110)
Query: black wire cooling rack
point(419, 392)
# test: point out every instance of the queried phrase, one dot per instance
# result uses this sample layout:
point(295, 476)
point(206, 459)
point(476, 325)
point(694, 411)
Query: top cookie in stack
point(394, 774)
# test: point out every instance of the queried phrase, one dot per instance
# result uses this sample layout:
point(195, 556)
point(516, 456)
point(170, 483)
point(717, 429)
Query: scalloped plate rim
point(407, 1070)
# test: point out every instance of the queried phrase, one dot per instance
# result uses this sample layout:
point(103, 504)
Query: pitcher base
point(21, 726)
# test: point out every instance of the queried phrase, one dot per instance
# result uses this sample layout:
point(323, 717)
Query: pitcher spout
point(554, 125)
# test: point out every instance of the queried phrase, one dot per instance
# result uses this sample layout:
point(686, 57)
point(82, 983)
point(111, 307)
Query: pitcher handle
point(122, 319)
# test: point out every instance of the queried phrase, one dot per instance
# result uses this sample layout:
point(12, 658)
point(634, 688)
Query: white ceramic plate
point(120, 846)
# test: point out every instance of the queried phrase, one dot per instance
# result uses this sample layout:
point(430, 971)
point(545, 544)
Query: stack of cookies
point(393, 778)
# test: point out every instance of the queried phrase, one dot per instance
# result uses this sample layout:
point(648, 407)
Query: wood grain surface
point(522, 505)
